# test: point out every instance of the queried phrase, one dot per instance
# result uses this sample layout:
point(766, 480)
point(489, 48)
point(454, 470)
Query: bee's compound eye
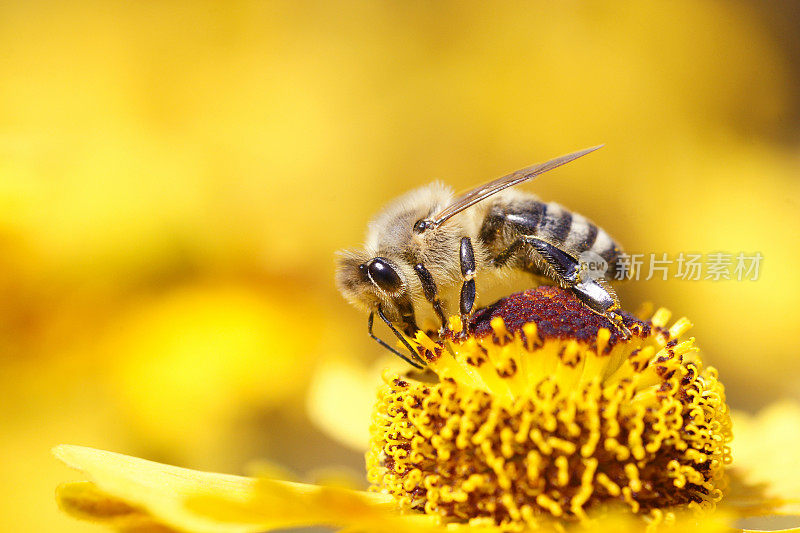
point(420, 226)
point(384, 275)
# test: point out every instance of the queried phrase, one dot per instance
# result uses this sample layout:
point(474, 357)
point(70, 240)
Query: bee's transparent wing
point(484, 191)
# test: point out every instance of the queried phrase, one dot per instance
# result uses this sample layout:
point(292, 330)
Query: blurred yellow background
point(176, 176)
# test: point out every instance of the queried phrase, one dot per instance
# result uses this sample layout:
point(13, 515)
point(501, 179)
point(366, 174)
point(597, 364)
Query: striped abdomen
point(570, 231)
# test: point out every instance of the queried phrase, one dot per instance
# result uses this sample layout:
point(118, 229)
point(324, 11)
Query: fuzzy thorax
point(544, 412)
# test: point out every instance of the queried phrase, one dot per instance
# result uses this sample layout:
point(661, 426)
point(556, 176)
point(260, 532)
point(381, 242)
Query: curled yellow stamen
point(543, 410)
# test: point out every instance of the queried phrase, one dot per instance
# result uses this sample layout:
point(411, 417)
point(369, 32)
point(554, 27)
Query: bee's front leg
point(467, 260)
point(417, 360)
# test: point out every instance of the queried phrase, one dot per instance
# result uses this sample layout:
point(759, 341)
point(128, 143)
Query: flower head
point(545, 412)
point(540, 417)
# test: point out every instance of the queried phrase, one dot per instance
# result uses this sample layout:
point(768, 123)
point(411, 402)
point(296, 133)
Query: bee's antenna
point(399, 336)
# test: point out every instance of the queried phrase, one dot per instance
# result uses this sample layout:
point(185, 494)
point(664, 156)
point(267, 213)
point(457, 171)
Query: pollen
point(544, 412)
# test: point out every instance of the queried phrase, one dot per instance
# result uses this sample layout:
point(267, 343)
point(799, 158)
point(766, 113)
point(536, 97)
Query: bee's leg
point(596, 294)
point(467, 259)
point(385, 345)
point(565, 267)
point(431, 292)
point(504, 256)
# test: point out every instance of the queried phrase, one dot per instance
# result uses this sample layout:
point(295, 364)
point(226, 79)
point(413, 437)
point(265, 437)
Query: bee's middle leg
point(431, 293)
point(467, 300)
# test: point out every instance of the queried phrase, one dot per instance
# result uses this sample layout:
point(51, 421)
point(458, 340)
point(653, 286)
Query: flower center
point(544, 412)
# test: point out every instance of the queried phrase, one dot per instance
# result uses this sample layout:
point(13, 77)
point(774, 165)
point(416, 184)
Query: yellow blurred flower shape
point(197, 356)
point(540, 418)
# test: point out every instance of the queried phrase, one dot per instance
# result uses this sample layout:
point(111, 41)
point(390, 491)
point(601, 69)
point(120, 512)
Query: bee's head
point(367, 282)
point(383, 272)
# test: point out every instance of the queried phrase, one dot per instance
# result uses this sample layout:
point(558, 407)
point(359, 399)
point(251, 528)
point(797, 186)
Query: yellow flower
point(541, 417)
point(527, 421)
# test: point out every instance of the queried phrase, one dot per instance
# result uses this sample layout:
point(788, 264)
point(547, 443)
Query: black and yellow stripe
point(553, 223)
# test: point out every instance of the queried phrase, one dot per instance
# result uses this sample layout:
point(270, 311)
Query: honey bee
point(429, 249)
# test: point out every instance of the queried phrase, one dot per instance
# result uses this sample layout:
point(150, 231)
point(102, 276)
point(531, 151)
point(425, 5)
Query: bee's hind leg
point(467, 300)
point(598, 296)
point(570, 271)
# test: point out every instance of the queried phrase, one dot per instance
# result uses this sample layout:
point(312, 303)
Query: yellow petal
point(340, 401)
point(152, 489)
point(303, 505)
point(135, 495)
point(84, 500)
point(341, 397)
point(766, 460)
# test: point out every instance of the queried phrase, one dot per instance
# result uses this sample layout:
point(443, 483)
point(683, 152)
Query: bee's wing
point(484, 191)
